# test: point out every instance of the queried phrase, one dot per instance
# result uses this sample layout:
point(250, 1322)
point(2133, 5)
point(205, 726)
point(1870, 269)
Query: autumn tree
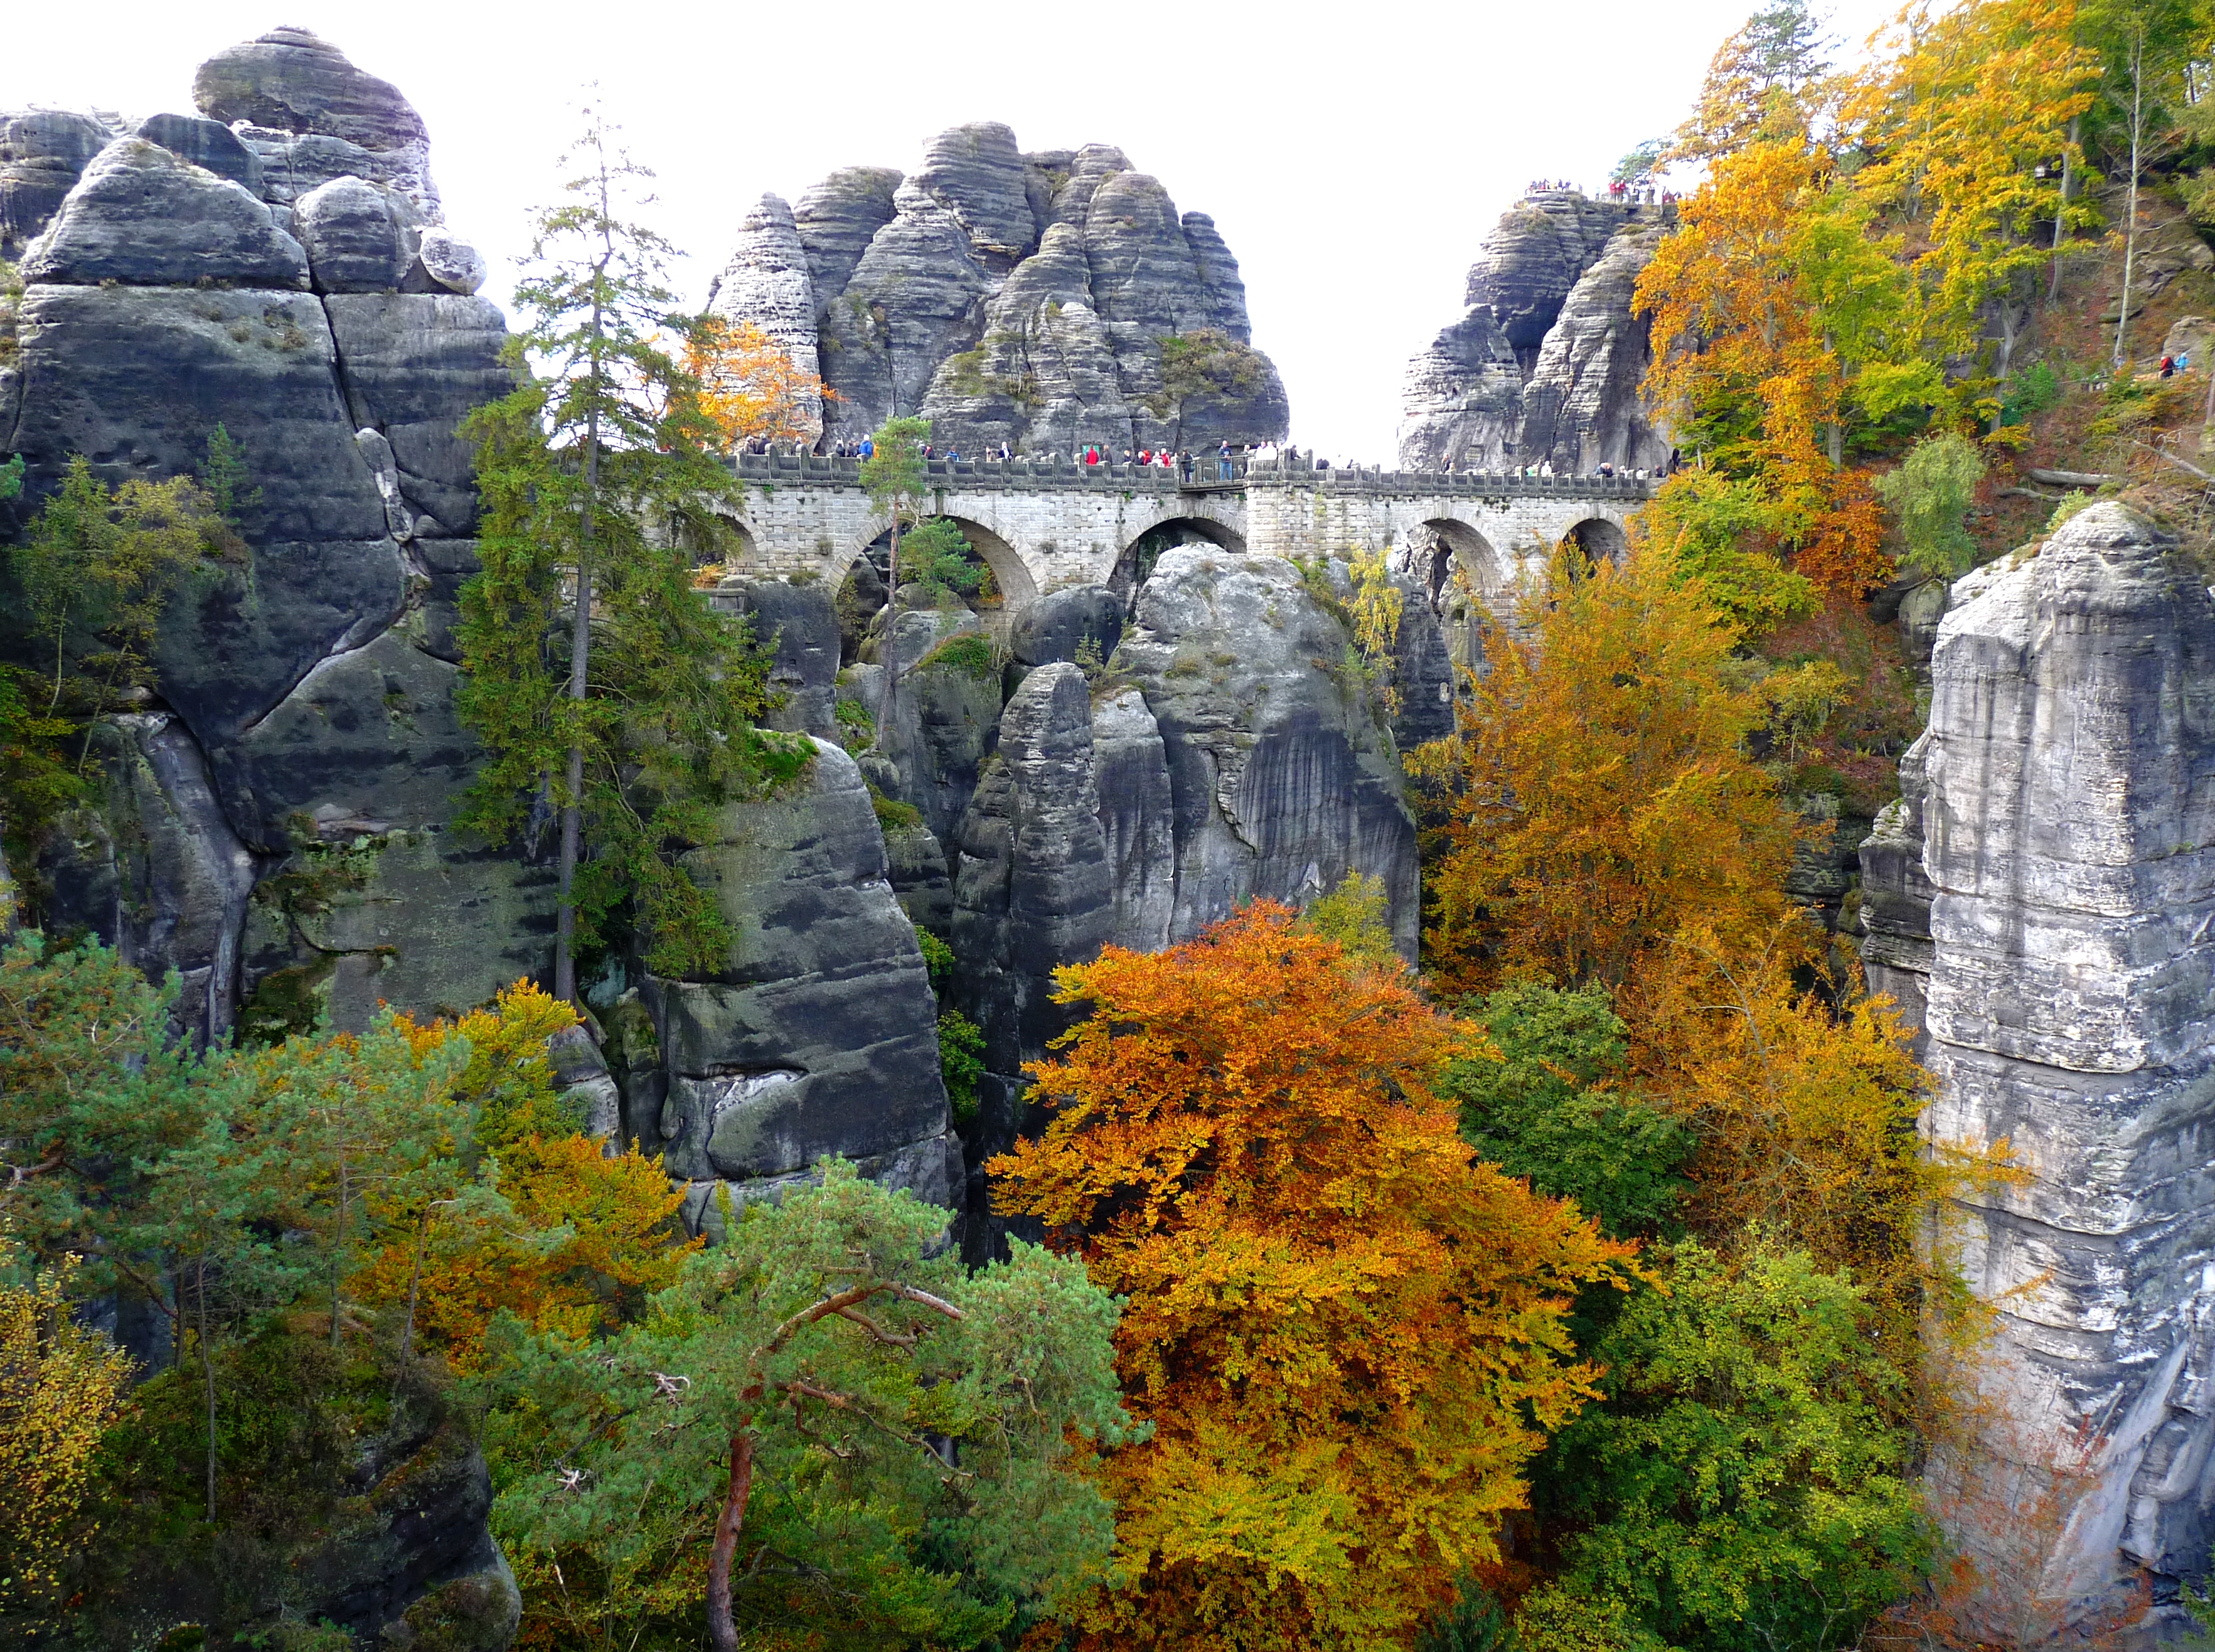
point(751, 386)
point(596, 680)
point(1598, 790)
point(826, 1425)
point(60, 1386)
point(1962, 117)
point(1348, 1338)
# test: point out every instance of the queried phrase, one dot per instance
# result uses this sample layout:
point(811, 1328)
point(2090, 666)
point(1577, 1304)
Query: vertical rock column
point(2069, 841)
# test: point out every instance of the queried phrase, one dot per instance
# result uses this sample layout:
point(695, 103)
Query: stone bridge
point(1041, 525)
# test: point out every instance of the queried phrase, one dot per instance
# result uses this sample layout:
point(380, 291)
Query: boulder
point(817, 1033)
point(1137, 809)
point(141, 217)
point(449, 263)
point(43, 152)
point(207, 143)
point(358, 238)
point(1059, 624)
point(2066, 833)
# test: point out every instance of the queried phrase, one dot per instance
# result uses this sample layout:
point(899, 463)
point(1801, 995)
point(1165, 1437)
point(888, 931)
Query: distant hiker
point(2168, 367)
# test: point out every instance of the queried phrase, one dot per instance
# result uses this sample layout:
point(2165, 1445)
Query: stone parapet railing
point(1035, 475)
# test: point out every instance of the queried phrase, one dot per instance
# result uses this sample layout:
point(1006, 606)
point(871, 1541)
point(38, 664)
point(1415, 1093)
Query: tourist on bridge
point(1223, 462)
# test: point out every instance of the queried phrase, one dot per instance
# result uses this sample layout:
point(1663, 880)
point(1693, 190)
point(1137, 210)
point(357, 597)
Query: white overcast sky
point(1353, 156)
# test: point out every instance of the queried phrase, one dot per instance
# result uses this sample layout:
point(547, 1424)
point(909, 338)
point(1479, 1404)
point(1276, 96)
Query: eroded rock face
point(767, 283)
point(2066, 824)
point(1007, 296)
point(1544, 364)
point(43, 152)
point(143, 216)
point(818, 1033)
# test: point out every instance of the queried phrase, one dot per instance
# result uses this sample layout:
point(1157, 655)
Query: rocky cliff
point(1008, 297)
point(1544, 364)
point(2048, 884)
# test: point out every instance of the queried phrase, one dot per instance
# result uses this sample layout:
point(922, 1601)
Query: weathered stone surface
point(416, 366)
point(976, 174)
point(136, 379)
point(1137, 819)
point(141, 216)
point(1059, 624)
point(1423, 672)
point(154, 870)
point(295, 80)
point(1896, 897)
point(207, 143)
point(1533, 257)
point(766, 282)
point(1282, 776)
point(451, 262)
point(800, 623)
point(837, 220)
point(1544, 364)
point(1031, 893)
point(1582, 407)
point(916, 863)
point(358, 238)
point(2067, 831)
point(43, 152)
point(818, 1033)
point(1009, 297)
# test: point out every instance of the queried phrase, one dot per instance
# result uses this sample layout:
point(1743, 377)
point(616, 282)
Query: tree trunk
point(580, 646)
point(207, 1373)
point(2068, 179)
point(338, 1250)
point(723, 1629)
point(892, 640)
point(2131, 215)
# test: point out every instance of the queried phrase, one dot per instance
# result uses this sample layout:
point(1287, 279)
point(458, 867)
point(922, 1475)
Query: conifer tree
point(594, 675)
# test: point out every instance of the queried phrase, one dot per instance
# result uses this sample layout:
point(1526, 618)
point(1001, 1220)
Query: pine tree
point(595, 476)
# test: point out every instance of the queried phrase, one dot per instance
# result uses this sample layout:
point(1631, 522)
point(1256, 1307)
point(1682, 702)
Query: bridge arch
point(1009, 571)
point(1487, 575)
point(1599, 537)
point(1135, 561)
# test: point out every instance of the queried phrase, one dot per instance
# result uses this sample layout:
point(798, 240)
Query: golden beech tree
point(1347, 1338)
point(1597, 790)
point(750, 386)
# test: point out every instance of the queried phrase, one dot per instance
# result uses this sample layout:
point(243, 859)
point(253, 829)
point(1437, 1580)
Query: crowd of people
point(1226, 464)
point(1624, 192)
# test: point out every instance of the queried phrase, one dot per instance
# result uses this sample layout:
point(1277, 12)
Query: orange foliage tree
point(1597, 790)
point(751, 386)
point(534, 1217)
point(1347, 1338)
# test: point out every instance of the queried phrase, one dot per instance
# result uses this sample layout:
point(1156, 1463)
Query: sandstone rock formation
point(1543, 365)
point(1007, 296)
point(2049, 871)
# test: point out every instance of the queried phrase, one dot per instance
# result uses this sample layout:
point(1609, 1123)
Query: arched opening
point(1138, 558)
point(719, 542)
point(1600, 539)
point(1004, 585)
point(1468, 582)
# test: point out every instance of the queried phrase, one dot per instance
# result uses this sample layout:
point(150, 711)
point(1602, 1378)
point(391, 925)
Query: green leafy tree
point(1640, 161)
point(1358, 915)
point(893, 476)
point(1554, 1107)
point(1930, 493)
point(826, 1424)
point(960, 1062)
point(1740, 1488)
point(941, 561)
point(11, 477)
point(634, 716)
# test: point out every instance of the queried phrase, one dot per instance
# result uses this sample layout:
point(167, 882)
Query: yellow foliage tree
point(1597, 790)
point(1348, 1339)
point(750, 386)
point(60, 1386)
